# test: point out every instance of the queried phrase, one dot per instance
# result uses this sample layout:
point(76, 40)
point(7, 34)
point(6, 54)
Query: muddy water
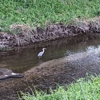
point(22, 59)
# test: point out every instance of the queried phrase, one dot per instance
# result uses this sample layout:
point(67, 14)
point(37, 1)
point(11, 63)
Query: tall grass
point(81, 90)
point(42, 12)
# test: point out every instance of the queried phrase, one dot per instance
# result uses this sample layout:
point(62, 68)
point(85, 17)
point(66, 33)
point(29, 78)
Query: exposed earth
point(23, 35)
point(58, 71)
point(47, 75)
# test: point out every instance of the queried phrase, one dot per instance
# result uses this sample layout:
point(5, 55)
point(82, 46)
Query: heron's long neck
point(43, 50)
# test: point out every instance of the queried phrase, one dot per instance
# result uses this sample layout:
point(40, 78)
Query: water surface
point(22, 59)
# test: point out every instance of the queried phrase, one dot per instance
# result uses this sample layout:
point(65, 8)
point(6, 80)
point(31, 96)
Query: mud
point(58, 71)
point(47, 75)
point(23, 35)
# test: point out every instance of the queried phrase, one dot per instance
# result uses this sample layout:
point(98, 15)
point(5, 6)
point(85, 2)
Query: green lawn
point(81, 90)
point(42, 12)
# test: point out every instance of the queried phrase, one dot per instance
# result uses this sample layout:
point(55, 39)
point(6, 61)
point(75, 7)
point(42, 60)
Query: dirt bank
point(26, 35)
point(58, 71)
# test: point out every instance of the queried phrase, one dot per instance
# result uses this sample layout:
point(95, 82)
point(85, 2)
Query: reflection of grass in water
point(81, 90)
point(40, 12)
point(6, 49)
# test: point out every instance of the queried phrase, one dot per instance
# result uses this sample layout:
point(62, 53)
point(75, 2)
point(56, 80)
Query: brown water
point(20, 60)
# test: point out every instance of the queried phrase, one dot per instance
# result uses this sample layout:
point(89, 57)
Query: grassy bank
point(42, 12)
point(81, 90)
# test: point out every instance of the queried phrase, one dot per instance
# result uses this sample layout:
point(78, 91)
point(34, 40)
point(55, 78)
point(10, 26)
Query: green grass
point(81, 90)
point(42, 12)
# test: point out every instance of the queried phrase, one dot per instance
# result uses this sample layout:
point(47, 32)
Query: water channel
point(61, 63)
point(22, 59)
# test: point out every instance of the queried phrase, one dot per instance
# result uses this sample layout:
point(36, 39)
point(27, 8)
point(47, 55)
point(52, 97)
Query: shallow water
point(20, 60)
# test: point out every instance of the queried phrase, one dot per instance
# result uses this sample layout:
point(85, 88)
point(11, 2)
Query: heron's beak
point(45, 48)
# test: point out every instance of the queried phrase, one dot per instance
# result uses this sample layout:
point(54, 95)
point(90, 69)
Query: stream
point(22, 59)
point(61, 64)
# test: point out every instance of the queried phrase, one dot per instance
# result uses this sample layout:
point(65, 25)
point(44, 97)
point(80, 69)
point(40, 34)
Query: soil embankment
point(58, 71)
point(25, 35)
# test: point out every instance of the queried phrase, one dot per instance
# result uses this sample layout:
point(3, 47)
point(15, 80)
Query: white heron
point(40, 54)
